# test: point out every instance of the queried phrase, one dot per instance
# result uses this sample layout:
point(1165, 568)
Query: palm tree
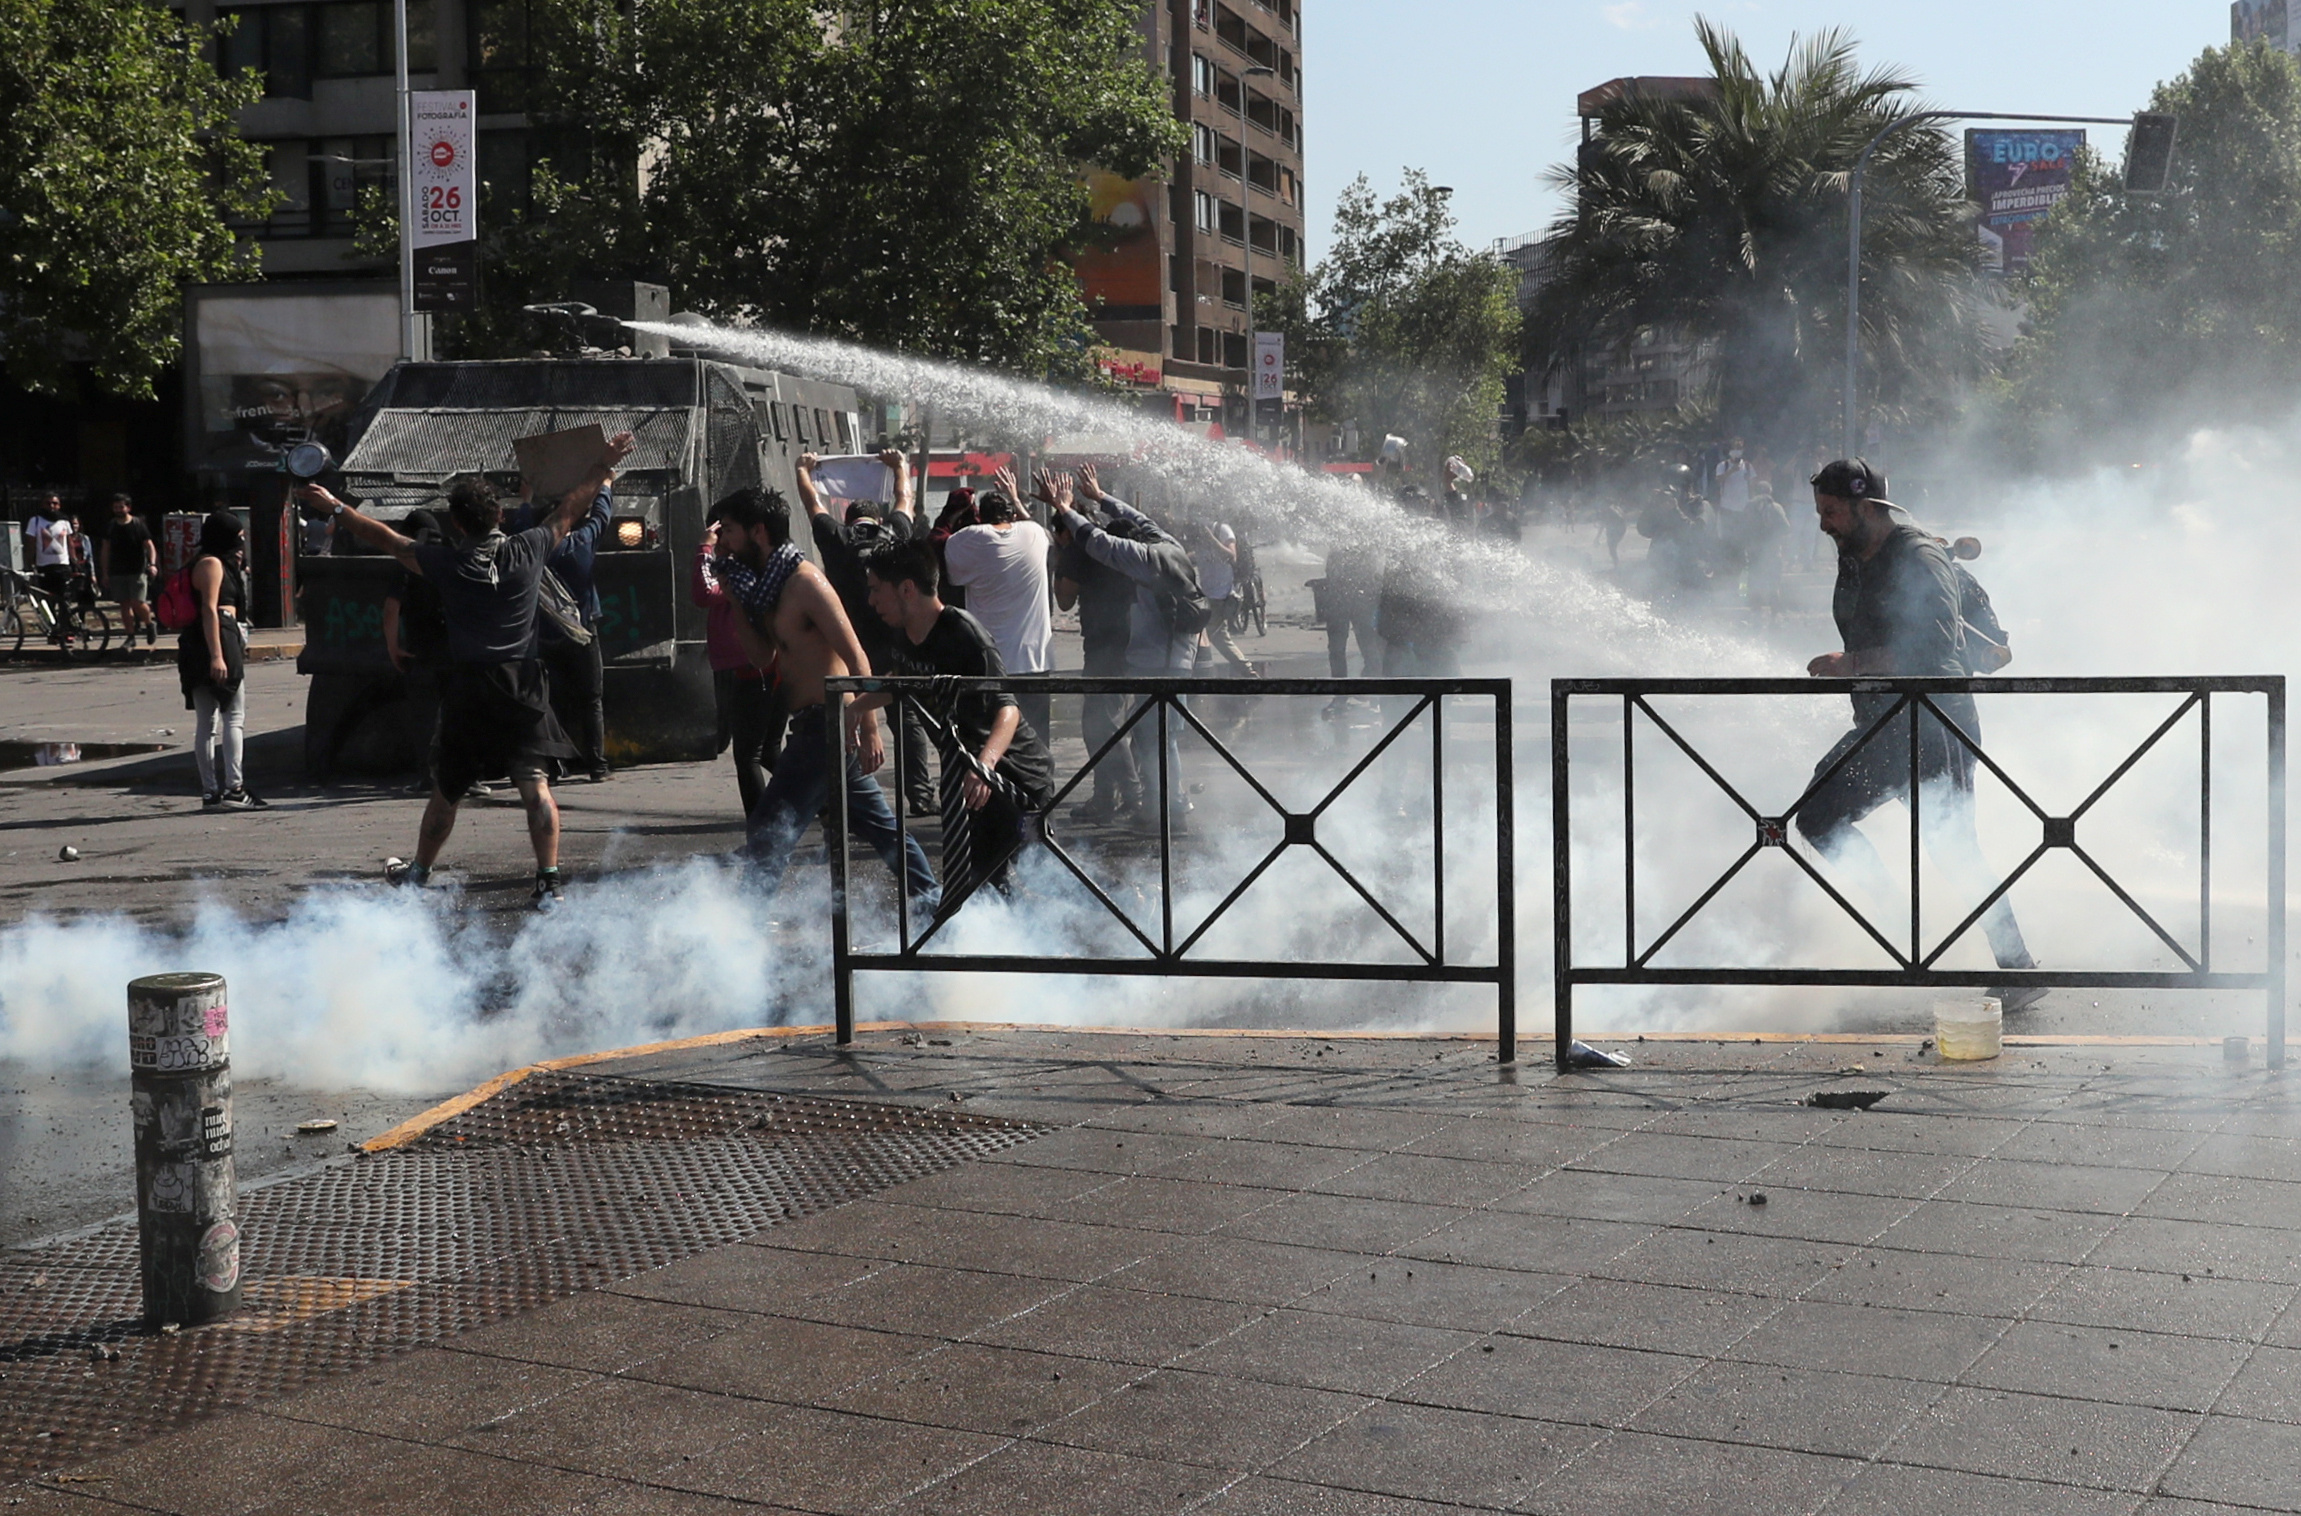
point(1723, 216)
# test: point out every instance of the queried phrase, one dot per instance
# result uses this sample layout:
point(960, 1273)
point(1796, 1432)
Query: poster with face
point(276, 370)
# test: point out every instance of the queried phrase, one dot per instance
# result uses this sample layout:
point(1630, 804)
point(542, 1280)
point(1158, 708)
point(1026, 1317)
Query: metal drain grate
point(561, 1182)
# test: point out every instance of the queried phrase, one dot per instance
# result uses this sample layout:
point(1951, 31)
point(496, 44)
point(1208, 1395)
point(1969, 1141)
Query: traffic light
point(2149, 153)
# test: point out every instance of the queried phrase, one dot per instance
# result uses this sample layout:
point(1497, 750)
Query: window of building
point(276, 41)
point(1180, 343)
point(351, 39)
point(1234, 350)
point(1202, 17)
point(1234, 287)
point(501, 65)
point(1204, 218)
point(1202, 142)
point(1201, 74)
point(1207, 349)
point(1233, 220)
point(344, 168)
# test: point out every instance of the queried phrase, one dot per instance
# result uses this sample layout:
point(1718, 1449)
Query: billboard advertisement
point(443, 151)
point(2015, 177)
point(1120, 269)
point(1270, 365)
point(273, 367)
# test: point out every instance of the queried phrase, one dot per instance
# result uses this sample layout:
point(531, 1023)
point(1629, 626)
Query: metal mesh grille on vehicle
point(561, 1182)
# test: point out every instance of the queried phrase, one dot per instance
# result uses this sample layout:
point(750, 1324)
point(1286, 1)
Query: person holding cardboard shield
point(495, 707)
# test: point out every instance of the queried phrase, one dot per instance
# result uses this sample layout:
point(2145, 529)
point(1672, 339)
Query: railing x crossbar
point(1916, 706)
point(1171, 950)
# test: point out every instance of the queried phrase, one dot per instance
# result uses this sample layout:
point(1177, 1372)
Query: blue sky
point(1480, 93)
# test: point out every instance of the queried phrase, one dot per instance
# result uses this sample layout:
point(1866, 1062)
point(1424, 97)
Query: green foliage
point(902, 174)
point(119, 164)
point(2150, 314)
point(1400, 327)
point(1725, 218)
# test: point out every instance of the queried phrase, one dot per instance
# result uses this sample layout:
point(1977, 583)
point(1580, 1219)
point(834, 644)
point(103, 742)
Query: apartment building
point(1169, 280)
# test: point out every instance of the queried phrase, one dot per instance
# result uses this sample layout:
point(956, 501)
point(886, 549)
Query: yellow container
point(1967, 1030)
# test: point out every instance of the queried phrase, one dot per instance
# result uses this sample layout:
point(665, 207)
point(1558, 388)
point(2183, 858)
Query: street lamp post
point(406, 177)
point(1246, 229)
point(1854, 240)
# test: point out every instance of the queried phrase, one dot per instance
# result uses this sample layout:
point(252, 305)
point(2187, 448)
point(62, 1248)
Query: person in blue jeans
point(789, 609)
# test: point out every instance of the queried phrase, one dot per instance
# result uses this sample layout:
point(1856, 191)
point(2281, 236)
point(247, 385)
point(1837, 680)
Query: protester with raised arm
point(495, 705)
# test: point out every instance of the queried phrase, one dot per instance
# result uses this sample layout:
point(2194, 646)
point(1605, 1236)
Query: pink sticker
point(217, 1017)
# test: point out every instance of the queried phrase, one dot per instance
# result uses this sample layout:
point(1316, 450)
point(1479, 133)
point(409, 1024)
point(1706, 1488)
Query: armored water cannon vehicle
point(703, 429)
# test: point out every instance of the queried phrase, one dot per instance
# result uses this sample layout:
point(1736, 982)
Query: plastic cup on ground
point(1968, 1030)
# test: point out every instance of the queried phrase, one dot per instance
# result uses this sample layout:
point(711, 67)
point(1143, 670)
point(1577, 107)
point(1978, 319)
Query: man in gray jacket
point(1168, 612)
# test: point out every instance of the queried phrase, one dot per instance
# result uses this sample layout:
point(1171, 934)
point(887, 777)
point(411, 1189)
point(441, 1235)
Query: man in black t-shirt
point(495, 705)
point(129, 565)
point(996, 766)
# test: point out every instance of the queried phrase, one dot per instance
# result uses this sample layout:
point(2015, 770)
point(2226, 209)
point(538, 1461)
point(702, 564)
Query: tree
point(2151, 313)
point(1724, 216)
point(906, 174)
point(120, 169)
point(1400, 327)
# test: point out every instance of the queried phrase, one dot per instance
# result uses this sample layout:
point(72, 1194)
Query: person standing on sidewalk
point(495, 710)
point(1002, 565)
point(211, 665)
point(749, 698)
point(128, 562)
point(578, 670)
point(52, 536)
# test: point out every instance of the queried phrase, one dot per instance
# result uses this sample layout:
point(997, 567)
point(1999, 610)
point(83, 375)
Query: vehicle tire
point(1261, 609)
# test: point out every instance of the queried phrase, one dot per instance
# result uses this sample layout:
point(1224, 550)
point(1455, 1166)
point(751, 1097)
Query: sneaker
point(546, 896)
point(2017, 997)
point(602, 774)
point(414, 876)
point(241, 800)
point(480, 790)
point(212, 801)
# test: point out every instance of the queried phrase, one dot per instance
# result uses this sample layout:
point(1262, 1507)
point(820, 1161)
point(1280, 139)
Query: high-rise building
point(2271, 20)
point(1171, 277)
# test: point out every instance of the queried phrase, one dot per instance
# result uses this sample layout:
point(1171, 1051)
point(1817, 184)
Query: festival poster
point(2015, 177)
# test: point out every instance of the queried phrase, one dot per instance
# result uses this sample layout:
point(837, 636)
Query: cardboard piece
point(555, 462)
point(854, 476)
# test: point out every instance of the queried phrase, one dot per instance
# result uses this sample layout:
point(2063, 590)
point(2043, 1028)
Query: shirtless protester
point(791, 611)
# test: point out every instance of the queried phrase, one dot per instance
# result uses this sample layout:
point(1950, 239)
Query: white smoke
point(2173, 570)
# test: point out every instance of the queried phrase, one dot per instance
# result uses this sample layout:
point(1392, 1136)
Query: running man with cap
point(1897, 606)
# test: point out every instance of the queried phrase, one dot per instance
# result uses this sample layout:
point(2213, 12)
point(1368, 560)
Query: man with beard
point(790, 612)
point(495, 706)
point(1897, 609)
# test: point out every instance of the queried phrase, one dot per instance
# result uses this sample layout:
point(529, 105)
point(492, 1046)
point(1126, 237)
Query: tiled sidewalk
point(1274, 1276)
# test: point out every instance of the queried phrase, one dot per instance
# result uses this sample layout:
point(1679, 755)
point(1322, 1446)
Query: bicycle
point(1249, 605)
point(33, 617)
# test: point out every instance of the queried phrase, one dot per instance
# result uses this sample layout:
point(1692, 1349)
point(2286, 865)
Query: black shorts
point(495, 719)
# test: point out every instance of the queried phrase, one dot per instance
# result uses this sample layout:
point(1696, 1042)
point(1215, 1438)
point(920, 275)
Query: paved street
point(1286, 1275)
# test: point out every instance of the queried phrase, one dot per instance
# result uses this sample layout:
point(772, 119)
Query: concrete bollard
point(179, 1058)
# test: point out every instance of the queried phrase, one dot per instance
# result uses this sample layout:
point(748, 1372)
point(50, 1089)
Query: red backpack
point(176, 609)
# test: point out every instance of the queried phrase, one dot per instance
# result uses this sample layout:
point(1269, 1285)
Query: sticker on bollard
point(179, 1057)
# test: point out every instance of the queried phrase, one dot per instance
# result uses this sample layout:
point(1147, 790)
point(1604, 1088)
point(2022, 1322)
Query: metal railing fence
point(1915, 964)
point(1167, 951)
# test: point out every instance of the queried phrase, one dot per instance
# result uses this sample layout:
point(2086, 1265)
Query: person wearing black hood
point(495, 707)
point(211, 664)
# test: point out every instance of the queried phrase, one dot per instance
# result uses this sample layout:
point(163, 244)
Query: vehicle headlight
point(631, 533)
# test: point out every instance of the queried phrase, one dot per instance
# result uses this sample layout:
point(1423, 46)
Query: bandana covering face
point(758, 590)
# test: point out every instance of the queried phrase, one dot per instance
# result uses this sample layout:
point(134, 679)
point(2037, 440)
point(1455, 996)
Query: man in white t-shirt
point(51, 533)
point(1003, 564)
point(1217, 563)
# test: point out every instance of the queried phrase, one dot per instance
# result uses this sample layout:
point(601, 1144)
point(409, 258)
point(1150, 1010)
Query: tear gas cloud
point(2175, 569)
